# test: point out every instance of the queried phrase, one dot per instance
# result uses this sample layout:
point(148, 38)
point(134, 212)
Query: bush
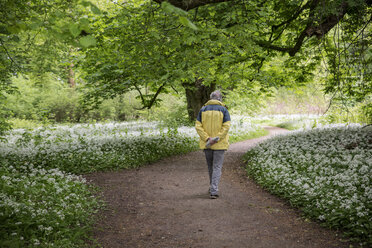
point(53, 101)
point(25, 124)
point(171, 113)
point(351, 113)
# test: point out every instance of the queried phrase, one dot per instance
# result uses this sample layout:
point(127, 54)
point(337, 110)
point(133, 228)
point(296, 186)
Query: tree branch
point(298, 12)
point(12, 61)
point(148, 104)
point(326, 24)
point(139, 91)
point(174, 89)
point(191, 4)
point(318, 29)
point(155, 96)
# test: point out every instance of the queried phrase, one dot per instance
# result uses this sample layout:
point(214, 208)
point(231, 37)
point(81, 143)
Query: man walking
point(212, 125)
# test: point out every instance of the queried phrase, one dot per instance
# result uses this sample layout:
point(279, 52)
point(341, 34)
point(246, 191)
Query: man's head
point(216, 95)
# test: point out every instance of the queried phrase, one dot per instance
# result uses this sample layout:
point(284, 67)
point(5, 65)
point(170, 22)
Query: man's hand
point(212, 141)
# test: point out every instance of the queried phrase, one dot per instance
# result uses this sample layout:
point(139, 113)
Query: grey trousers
point(214, 161)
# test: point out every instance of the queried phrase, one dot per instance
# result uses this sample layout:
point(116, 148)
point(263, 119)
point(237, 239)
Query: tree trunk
point(197, 95)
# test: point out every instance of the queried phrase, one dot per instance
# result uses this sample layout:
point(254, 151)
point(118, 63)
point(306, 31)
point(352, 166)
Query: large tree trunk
point(197, 94)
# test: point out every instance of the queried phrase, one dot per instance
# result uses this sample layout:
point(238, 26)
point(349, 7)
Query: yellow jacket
point(213, 120)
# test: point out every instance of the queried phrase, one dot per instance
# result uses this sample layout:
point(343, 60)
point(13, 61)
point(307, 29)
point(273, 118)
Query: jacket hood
point(215, 102)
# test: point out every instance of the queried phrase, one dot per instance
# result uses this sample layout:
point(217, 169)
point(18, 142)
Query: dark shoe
point(214, 196)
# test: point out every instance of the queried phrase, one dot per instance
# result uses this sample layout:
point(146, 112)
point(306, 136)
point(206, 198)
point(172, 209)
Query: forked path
point(166, 204)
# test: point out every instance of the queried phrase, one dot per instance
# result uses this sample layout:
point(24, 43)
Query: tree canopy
point(229, 43)
point(192, 46)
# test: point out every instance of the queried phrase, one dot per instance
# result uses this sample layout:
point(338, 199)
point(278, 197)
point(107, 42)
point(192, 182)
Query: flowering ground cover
point(327, 172)
point(87, 148)
point(42, 204)
point(47, 208)
point(242, 128)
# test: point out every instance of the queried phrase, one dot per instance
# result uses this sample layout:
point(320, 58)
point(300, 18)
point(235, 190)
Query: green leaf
point(95, 9)
point(85, 3)
point(84, 21)
point(15, 38)
point(87, 41)
point(4, 30)
point(186, 22)
point(74, 30)
point(14, 29)
point(36, 23)
point(84, 24)
point(169, 8)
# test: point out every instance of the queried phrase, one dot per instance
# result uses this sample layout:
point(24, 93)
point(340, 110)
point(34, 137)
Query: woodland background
point(84, 61)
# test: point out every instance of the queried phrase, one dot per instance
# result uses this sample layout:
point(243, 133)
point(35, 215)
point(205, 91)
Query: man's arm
point(225, 125)
point(224, 129)
point(199, 128)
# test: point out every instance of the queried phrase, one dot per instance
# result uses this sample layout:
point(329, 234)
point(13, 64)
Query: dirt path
point(166, 204)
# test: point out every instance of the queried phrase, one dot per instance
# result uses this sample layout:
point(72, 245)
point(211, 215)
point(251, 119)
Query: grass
point(251, 135)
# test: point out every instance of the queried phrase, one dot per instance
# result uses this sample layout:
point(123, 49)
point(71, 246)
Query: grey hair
point(216, 95)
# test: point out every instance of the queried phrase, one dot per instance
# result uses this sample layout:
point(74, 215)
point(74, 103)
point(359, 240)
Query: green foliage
point(38, 37)
point(298, 100)
point(87, 41)
point(245, 101)
point(53, 102)
point(259, 132)
point(290, 125)
point(121, 108)
point(25, 124)
point(171, 113)
point(169, 8)
point(142, 47)
point(4, 88)
point(4, 123)
point(157, 53)
point(277, 101)
point(349, 71)
point(350, 112)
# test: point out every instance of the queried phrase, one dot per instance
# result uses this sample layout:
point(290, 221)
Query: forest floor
point(166, 204)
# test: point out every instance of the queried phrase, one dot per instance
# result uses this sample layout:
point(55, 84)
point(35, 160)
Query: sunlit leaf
point(186, 22)
point(95, 9)
point(87, 41)
point(75, 30)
